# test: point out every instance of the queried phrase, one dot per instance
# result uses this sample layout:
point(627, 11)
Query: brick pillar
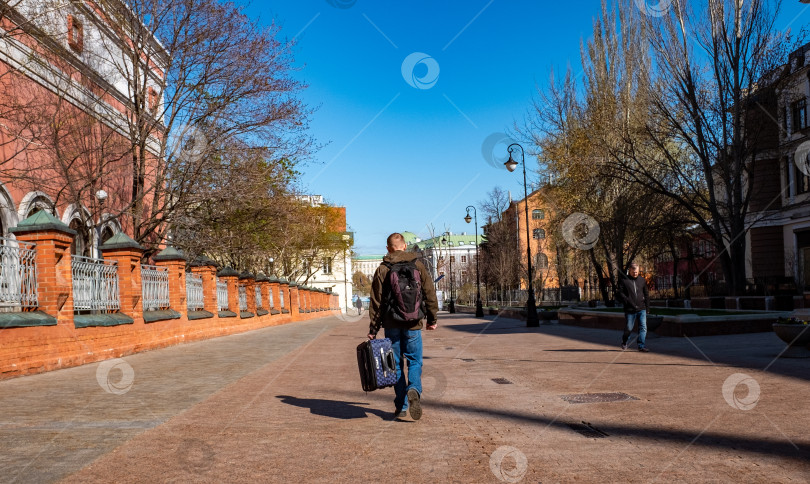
point(284, 288)
point(294, 301)
point(231, 277)
point(273, 288)
point(127, 253)
point(263, 282)
point(175, 262)
point(54, 276)
point(207, 269)
point(249, 281)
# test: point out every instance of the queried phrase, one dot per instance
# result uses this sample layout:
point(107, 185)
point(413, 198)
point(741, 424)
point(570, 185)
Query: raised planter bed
point(686, 324)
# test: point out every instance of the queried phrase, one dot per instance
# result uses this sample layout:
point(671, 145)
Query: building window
point(538, 214)
point(75, 33)
point(452, 258)
point(542, 261)
point(463, 258)
point(799, 111)
point(801, 180)
point(327, 265)
point(539, 234)
point(151, 99)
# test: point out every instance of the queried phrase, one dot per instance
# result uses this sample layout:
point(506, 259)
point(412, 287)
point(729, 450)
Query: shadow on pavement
point(799, 452)
point(757, 351)
point(334, 408)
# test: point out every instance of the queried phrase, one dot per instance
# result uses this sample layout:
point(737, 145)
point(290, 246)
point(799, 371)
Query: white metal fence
point(281, 297)
point(222, 295)
point(95, 284)
point(18, 274)
point(242, 298)
point(257, 290)
point(154, 287)
point(194, 292)
point(270, 304)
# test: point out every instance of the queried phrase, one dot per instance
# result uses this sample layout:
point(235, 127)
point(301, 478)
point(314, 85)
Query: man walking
point(405, 332)
point(635, 296)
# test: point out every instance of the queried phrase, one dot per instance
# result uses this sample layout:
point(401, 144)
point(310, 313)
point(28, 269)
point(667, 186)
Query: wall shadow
point(756, 351)
point(798, 452)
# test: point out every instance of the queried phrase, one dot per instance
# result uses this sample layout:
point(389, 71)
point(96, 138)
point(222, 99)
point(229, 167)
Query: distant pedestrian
point(358, 303)
point(402, 298)
point(635, 297)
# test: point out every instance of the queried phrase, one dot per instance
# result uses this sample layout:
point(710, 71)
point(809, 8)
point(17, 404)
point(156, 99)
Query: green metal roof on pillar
point(120, 241)
point(42, 220)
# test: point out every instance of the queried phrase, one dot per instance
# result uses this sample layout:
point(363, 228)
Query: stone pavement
point(284, 404)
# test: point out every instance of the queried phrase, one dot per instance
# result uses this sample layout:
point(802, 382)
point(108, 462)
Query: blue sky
point(400, 157)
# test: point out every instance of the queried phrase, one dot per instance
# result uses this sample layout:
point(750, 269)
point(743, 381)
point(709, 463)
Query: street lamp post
point(531, 304)
point(101, 196)
point(479, 309)
point(451, 305)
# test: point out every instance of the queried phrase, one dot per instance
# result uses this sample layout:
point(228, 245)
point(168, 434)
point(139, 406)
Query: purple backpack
point(403, 292)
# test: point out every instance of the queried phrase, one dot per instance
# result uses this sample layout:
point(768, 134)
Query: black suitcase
point(378, 368)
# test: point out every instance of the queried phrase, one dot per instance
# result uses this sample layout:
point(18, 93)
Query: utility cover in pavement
point(597, 397)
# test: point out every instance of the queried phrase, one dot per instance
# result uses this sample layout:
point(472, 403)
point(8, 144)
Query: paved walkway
point(283, 404)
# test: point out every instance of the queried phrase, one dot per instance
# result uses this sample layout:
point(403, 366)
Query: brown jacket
point(375, 309)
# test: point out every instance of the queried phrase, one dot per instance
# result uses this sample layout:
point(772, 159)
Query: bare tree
point(198, 72)
point(707, 111)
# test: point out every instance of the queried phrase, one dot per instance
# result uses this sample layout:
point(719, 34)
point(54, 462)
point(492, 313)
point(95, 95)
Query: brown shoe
point(644, 350)
point(414, 405)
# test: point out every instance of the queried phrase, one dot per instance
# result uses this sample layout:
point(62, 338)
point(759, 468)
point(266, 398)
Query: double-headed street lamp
point(479, 310)
point(451, 306)
point(531, 304)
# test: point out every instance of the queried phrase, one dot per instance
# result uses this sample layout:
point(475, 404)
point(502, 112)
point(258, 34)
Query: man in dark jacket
point(406, 338)
point(635, 297)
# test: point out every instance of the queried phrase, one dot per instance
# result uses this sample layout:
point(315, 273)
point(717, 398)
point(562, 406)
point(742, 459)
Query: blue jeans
point(407, 343)
point(630, 319)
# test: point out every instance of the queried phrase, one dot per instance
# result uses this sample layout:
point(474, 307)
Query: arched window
point(106, 234)
point(542, 261)
point(81, 241)
point(539, 234)
point(538, 214)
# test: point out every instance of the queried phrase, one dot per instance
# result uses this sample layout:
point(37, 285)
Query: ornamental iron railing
point(18, 274)
point(258, 295)
point(242, 298)
point(155, 287)
point(194, 292)
point(281, 297)
point(95, 284)
point(270, 304)
point(222, 295)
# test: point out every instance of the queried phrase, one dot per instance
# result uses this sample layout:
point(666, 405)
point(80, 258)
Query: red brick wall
point(31, 350)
